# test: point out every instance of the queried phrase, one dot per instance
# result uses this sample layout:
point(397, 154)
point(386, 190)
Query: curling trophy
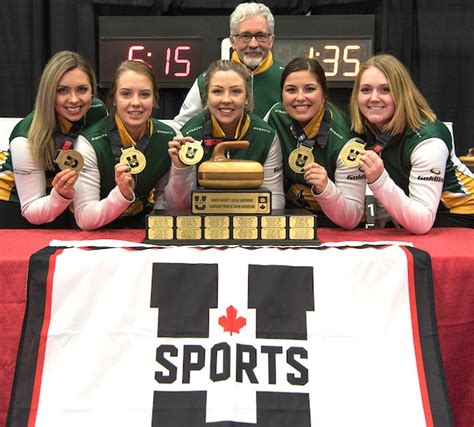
point(229, 206)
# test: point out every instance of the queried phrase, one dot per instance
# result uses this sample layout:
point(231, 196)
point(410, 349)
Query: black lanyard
point(379, 142)
point(63, 142)
point(209, 140)
point(321, 139)
point(66, 141)
point(116, 144)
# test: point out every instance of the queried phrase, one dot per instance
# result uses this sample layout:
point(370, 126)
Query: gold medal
point(191, 153)
point(300, 157)
point(133, 158)
point(350, 154)
point(70, 159)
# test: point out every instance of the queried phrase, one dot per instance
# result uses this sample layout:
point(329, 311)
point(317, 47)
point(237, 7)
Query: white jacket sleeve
point(91, 212)
point(192, 105)
point(417, 211)
point(30, 180)
point(343, 200)
point(181, 182)
point(273, 174)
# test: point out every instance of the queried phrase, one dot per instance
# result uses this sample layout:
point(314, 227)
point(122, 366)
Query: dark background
point(433, 38)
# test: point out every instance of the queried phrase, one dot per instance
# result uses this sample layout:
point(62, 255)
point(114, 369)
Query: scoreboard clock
point(340, 57)
point(176, 61)
point(179, 48)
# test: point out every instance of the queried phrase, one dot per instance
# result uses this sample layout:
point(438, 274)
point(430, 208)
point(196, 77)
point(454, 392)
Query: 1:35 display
point(340, 58)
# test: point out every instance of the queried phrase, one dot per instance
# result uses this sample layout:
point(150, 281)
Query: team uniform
point(98, 200)
point(424, 184)
point(264, 148)
point(26, 195)
point(265, 85)
point(342, 201)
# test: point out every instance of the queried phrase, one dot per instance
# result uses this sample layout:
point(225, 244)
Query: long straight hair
point(40, 135)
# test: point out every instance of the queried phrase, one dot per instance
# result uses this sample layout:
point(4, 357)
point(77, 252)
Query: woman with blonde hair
point(227, 116)
point(31, 177)
point(409, 164)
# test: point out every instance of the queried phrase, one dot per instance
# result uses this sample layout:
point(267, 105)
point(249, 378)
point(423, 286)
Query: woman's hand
point(64, 182)
point(174, 147)
point(124, 180)
point(316, 176)
point(372, 165)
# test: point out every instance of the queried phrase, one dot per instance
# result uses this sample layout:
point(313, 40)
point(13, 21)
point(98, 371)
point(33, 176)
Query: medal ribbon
point(208, 139)
point(377, 142)
point(381, 142)
point(317, 128)
point(65, 134)
point(120, 138)
point(213, 133)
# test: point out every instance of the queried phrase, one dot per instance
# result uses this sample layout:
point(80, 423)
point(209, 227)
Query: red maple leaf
point(232, 323)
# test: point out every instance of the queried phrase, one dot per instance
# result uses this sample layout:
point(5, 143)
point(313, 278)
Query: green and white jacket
point(342, 201)
point(98, 200)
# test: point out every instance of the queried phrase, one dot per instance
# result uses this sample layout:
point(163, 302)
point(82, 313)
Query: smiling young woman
point(33, 189)
point(410, 163)
point(227, 116)
point(313, 133)
point(125, 155)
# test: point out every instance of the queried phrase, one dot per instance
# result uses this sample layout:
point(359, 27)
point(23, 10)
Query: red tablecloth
point(453, 279)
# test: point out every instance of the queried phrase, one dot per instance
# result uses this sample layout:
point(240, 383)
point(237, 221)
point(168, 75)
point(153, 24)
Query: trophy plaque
point(210, 201)
point(280, 228)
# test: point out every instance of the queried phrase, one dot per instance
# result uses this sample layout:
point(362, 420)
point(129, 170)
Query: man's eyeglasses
point(246, 37)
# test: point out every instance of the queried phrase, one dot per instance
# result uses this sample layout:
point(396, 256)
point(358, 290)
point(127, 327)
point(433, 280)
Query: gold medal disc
point(350, 154)
point(70, 159)
point(300, 157)
point(133, 158)
point(191, 153)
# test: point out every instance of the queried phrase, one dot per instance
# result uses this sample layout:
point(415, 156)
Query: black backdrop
point(433, 38)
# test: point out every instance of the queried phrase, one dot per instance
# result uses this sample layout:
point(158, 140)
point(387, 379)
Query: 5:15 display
point(176, 62)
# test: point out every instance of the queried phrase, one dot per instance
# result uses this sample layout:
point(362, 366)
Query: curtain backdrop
point(433, 38)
